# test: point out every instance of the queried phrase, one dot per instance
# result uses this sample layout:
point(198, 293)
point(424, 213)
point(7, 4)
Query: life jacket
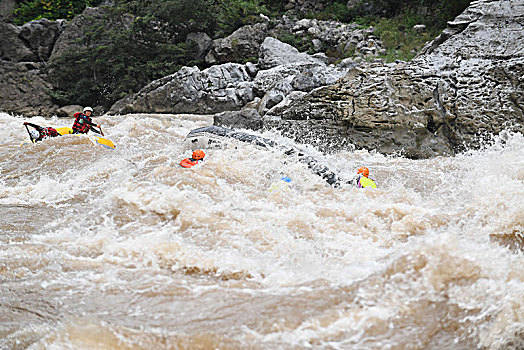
point(280, 186)
point(188, 162)
point(364, 182)
point(48, 132)
point(80, 126)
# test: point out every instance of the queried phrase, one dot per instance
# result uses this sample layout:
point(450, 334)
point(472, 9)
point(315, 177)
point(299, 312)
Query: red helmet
point(198, 154)
point(363, 170)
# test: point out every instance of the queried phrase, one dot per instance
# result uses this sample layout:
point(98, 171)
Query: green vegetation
point(337, 11)
point(393, 21)
point(30, 10)
point(138, 41)
point(301, 42)
point(401, 40)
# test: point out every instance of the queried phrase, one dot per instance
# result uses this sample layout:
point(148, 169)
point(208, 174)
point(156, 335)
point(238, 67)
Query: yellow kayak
point(97, 139)
point(64, 130)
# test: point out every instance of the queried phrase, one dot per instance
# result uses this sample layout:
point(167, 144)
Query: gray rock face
point(7, 8)
point(284, 70)
point(468, 82)
point(75, 32)
point(23, 89)
point(202, 42)
point(23, 51)
point(12, 47)
point(242, 44)
point(41, 35)
point(218, 88)
point(31, 42)
point(275, 53)
point(281, 70)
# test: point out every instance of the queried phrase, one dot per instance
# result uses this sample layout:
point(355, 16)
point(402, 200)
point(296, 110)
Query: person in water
point(281, 185)
point(198, 156)
point(39, 133)
point(363, 180)
point(83, 122)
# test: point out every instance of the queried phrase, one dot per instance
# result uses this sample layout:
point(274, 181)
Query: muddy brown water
point(125, 249)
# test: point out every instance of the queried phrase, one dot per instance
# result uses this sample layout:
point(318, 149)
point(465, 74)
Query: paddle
point(30, 137)
point(100, 129)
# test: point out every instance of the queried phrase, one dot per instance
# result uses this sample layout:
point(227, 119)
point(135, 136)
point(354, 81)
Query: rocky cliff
point(23, 53)
point(466, 85)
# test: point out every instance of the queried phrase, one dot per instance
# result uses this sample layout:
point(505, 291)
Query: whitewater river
point(124, 249)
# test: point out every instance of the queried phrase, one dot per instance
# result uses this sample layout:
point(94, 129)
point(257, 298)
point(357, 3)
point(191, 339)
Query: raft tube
point(213, 136)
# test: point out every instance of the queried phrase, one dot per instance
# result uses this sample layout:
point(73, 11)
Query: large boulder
point(12, 47)
point(31, 42)
point(24, 90)
point(247, 118)
point(231, 86)
point(74, 35)
point(190, 90)
point(23, 51)
point(465, 87)
point(243, 44)
point(202, 43)
point(283, 69)
point(41, 36)
point(275, 53)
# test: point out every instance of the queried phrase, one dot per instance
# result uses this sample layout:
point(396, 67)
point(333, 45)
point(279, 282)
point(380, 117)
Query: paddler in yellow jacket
point(363, 180)
point(280, 186)
point(198, 156)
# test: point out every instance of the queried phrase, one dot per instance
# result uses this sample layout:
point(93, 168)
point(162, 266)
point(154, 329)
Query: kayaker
point(198, 156)
point(83, 122)
point(281, 185)
point(363, 180)
point(39, 133)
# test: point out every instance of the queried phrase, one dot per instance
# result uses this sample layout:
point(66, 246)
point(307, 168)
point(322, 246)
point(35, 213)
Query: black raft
point(213, 136)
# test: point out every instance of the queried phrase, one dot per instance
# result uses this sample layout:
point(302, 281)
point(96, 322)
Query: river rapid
point(125, 249)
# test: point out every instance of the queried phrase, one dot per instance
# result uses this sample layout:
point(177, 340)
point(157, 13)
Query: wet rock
point(68, 111)
point(247, 118)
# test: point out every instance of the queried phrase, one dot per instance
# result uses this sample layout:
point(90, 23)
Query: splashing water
point(125, 249)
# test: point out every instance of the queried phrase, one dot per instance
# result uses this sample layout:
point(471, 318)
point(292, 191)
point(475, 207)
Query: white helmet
point(34, 134)
point(87, 109)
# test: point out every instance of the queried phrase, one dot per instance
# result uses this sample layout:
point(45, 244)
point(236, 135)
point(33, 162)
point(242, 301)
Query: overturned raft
point(212, 136)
